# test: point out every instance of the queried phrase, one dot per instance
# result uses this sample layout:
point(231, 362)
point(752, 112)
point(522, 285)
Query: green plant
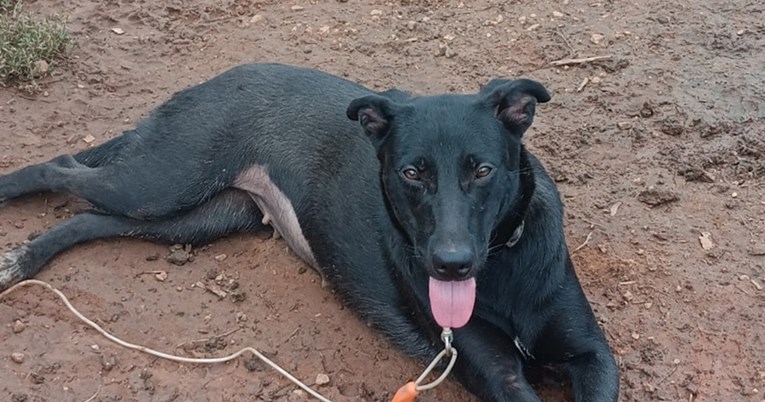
point(29, 45)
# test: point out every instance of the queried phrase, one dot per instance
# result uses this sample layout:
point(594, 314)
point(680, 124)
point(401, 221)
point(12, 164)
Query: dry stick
point(571, 52)
point(159, 354)
point(665, 377)
point(586, 241)
point(93, 398)
point(565, 62)
point(583, 84)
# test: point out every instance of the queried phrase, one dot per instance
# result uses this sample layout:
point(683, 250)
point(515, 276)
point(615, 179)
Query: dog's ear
point(375, 113)
point(514, 101)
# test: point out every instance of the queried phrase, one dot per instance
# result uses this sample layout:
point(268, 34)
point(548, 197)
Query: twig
point(571, 52)
point(584, 83)
point(92, 398)
point(586, 241)
point(666, 376)
point(565, 62)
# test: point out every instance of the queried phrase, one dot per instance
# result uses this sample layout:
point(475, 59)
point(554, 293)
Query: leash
point(412, 389)
point(407, 393)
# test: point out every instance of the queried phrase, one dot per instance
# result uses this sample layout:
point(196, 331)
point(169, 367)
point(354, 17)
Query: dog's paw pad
point(10, 267)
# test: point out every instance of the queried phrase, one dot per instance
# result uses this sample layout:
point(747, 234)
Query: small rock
point(118, 31)
point(628, 296)
point(624, 125)
point(656, 197)
point(411, 25)
point(596, 38)
point(635, 336)
point(41, 67)
point(441, 49)
point(18, 326)
point(160, 276)
point(220, 257)
point(180, 255)
point(18, 357)
point(297, 8)
point(322, 379)
point(108, 361)
point(705, 238)
point(256, 18)
point(596, 80)
point(533, 27)
point(237, 296)
point(89, 139)
point(376, 12)
point(300, 393)
point(557, 14)
point(450, 53)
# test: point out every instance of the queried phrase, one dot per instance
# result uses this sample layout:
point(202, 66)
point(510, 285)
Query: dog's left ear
point(514, 101)
point(375, 113)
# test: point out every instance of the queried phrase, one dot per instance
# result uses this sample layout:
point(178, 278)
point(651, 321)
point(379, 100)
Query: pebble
point(557, 14)
point(108, 361)
point(18, 326)
point(596, 38)
point(297, 8)
point(18, 357)
point(322, 379)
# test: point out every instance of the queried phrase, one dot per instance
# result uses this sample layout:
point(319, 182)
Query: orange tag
point(407, 393)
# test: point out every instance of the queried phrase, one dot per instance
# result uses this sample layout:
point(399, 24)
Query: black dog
point(430, 214)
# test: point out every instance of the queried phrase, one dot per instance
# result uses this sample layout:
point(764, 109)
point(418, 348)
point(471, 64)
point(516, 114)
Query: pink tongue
point(452, 302)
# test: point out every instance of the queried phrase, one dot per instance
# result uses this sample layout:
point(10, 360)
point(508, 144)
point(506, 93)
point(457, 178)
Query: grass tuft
point(29, 45)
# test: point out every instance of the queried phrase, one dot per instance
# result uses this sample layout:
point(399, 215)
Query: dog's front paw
point(11, 271)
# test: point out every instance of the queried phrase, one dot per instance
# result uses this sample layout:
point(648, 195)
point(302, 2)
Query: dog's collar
point(516, 235)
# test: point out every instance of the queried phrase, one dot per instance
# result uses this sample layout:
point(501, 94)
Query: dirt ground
point(659, 153)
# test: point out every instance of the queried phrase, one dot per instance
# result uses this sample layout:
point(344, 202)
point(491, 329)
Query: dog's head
point(451, 168)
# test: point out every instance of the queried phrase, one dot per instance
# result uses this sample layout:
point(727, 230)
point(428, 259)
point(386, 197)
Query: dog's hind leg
point(228, 212)
point(32, 179)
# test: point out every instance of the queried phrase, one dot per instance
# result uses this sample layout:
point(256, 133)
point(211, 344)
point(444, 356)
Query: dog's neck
point(510, 228)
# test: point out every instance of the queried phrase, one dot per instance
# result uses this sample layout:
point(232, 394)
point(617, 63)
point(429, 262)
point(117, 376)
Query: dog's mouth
point(452, 302)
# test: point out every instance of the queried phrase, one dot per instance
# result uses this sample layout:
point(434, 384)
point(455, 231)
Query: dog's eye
point(411, 173)
point(483, 171)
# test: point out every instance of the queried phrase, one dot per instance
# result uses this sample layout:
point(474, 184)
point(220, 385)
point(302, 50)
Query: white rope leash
point(157, 353)
point(446, 336)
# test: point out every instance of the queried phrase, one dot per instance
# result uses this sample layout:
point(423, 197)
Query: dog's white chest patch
point(277, 209)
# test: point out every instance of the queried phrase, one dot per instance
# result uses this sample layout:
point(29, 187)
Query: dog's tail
point(108, 151)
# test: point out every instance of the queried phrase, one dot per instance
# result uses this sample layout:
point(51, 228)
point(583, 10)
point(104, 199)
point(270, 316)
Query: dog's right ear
point(375, 113)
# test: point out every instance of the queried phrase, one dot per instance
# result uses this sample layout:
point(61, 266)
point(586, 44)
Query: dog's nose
point(453, 264)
